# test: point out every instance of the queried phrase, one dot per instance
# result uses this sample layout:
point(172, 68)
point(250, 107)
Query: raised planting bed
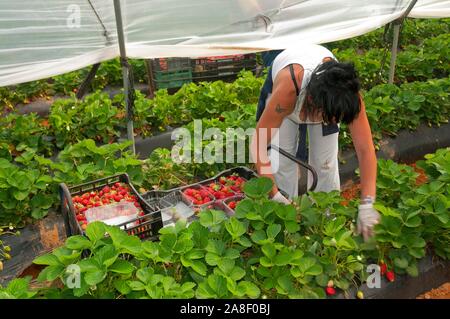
point(41, 106)
point(406, 147)
point(34, 240)
point(433, 272)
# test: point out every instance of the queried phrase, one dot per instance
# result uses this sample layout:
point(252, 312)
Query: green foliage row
point(413, 31)
point(266, 250)
point(23, 146)
point(428, 60)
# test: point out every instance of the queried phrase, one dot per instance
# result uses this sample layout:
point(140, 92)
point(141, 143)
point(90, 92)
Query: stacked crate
point(169, 73)
point(224, 68)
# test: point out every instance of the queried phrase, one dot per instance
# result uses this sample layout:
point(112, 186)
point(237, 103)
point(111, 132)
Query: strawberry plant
point(24, 192)
point(394, 181)
point(95, 117)
point(21, 132)
point(5, 250)
point(17, 289)
point(85, 161)
point(161, 172)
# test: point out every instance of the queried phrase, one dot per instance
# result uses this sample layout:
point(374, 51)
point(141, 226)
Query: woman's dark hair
point(334, 90)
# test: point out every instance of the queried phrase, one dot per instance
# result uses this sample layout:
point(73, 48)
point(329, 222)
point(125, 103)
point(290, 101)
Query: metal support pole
point(87, 81)
point(397, 25)
point(151, 84)
point(127, 76)
point(394, 52)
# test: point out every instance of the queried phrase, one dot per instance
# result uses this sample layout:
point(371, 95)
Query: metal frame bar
point(315, 177)
point(397, 25)
point(105, 31)
point(87, 81)
point(127, 75)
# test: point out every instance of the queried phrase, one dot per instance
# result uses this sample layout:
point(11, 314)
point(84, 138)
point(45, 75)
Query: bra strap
point(291, 69)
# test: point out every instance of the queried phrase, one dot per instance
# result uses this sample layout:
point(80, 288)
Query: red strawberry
point(383, 268)
point(117, 198)
point(235, 188)
point(330, 291)
point(81, 217)
point(85, 202)
point(390, 276)
point(98, 204)
point(117, 184)
point(204, 193)
point(222, 180)
point(77, 199)
point(232, 205)
point(106, 189)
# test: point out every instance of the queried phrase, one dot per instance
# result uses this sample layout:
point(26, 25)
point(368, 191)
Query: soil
point(442, 292)
point(351, 190)
point(422, 178)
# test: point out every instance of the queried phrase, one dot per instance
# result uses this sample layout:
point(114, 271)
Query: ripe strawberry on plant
point(232, 204)
point(390, 275)
point(383, 267)
point(330, 291)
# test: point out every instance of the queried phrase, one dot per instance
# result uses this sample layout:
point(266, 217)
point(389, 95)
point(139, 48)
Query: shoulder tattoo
point(279, 109)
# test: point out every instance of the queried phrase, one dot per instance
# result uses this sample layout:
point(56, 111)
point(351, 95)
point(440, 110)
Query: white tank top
point(309, 57)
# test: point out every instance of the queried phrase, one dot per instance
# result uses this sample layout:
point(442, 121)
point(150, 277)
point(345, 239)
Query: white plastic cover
point(39, 39)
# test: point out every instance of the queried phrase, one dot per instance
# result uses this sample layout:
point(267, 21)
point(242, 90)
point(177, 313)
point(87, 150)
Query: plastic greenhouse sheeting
point(39, 39)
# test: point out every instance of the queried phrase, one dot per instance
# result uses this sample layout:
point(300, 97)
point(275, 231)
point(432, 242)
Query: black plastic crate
point(152, 197)
point(147, 226)
point(228, 200)
point(216, 205)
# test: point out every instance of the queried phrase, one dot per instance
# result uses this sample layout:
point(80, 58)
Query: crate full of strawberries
point(112, 200)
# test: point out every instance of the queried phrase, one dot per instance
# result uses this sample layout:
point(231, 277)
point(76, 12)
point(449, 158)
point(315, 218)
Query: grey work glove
point(368, 217)
point(278, 197)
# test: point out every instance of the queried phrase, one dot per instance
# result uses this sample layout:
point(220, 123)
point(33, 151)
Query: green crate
point(172, 79)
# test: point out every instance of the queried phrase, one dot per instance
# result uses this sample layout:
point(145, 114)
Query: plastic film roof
point(39, 39)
